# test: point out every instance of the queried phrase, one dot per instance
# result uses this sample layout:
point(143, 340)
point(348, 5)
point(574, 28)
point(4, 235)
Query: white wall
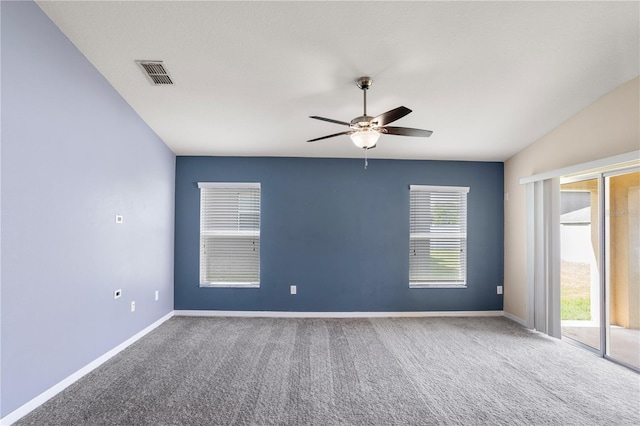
point(607, 127)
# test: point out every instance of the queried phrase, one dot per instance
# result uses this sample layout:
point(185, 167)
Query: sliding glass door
point(580, 288)
point(600, 263)
point(622, 242)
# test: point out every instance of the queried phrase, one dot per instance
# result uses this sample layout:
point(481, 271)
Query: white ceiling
point(488, 78)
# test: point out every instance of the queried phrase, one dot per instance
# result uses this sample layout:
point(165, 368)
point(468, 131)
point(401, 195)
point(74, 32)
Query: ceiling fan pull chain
point(365, 158)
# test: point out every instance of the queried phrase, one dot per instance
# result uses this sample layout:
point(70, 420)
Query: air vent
point(156, 72)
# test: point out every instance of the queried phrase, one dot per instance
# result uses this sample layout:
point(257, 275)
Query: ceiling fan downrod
point(364, 83)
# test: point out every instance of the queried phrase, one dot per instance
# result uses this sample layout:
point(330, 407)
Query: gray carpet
point(402, 371)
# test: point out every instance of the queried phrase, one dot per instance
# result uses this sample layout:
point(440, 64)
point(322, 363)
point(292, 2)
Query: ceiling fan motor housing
point(362, 122)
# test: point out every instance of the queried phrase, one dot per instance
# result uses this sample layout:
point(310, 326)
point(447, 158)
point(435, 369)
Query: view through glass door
point(580, 287)
point(602, 210)
point(622, 236)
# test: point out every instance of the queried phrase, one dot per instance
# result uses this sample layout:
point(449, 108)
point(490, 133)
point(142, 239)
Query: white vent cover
point(156, 72)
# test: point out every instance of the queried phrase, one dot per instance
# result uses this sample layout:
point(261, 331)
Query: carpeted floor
point(387, 371)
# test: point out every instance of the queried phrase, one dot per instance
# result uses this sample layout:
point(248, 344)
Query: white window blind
point(438, 236)
point(229, 234)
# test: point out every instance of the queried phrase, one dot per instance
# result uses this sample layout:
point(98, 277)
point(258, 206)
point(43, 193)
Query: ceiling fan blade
point(391, 116)
point(330, 120)
point(406, 131)
point(330, 136)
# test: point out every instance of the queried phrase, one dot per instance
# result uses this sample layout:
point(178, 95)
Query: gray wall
point(74, 154)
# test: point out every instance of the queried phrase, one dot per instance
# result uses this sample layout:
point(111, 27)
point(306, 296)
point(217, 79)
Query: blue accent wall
point(74, 154)
point(341, 234)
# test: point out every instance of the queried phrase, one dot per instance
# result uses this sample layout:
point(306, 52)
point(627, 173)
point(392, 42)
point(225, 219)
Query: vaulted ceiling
point(488, 78)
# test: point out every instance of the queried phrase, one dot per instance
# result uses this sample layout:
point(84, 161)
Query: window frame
point(227, 232)
point(460, 237)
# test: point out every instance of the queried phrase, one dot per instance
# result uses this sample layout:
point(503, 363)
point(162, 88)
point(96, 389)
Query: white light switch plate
point(294, 289)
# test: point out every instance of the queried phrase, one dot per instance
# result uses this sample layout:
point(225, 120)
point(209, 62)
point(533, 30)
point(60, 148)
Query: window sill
point(417, 285)
point(230, 285)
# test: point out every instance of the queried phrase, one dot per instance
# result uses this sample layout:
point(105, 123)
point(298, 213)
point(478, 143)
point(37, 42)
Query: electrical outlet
point(294, 289)
point(133, 306)
point(156, 295)
point(499, 289)
point(119, 218)
point(117, 293)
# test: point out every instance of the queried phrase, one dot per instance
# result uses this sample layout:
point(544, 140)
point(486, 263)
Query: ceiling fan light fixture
point(365, 138)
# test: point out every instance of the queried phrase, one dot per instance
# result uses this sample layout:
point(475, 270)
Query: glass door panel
point(623, 267)
point(580, 289)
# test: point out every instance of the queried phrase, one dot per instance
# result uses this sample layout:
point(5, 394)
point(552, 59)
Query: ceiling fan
point(365, 130)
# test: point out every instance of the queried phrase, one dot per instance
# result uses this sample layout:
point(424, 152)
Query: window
point(229, 234)
point(438, 236)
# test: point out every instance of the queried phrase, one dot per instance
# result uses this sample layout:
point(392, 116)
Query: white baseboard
point(515, 319)
point(25, 409)
point(287, 314)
